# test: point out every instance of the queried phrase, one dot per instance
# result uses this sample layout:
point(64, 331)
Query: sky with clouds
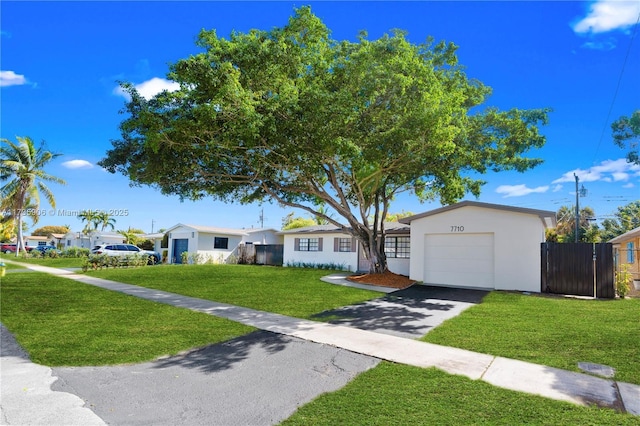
point(62, 63)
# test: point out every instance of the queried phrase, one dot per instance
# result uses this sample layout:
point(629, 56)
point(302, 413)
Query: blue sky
point(61, 61)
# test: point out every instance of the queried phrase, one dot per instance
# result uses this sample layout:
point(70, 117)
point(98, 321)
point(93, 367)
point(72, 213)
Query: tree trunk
point(373, 249)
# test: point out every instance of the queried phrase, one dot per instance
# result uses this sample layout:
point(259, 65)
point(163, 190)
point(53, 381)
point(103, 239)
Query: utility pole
point(261, 220)
point(577, 208)
point(152, 223)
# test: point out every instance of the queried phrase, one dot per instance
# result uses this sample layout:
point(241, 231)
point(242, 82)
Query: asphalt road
point(257, 379)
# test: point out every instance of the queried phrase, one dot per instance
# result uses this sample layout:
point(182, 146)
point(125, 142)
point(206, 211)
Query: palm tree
point(106, 220)
point(22, 165)
point(92, 219)
point(130, 236)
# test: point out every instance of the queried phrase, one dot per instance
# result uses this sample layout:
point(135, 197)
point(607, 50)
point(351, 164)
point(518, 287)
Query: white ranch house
point(468, 244)
point(90, 240)
point(328, 244)
point(212, 243)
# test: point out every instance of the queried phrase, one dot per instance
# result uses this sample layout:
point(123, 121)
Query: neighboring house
point(35, 240)
point(330, 245)
point(626, 249)
point(214, 244)
point(94, 238)
point(56, 240)
point(479, 245)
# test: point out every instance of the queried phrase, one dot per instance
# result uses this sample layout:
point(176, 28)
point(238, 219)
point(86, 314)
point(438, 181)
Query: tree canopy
point(625, 219)
point(45, 231)
point(293, 116)
point(626, 134)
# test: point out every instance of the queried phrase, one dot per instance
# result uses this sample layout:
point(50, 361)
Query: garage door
point(464, 260)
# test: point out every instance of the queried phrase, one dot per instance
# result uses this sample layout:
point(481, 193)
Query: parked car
point(43, 249)
point(124, 250)
point(11, 248)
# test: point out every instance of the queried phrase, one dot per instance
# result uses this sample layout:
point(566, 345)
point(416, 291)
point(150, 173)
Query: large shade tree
point(626, 135)
point(294, 116)
point(22, 168)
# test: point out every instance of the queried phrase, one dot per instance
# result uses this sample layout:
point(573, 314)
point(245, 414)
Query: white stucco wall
point(399, 266)
point(517, 238)
point(290, 256)
point(182, 233)
point(266, 236)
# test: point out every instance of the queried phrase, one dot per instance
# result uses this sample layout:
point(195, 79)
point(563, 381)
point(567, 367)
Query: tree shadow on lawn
point(223, 356)
point(411, 312)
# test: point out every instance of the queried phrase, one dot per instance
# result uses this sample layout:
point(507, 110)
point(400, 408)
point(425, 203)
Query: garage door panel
point(459, 260)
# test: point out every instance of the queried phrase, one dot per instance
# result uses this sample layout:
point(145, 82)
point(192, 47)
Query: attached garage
point(479, 245)
point(459, 259)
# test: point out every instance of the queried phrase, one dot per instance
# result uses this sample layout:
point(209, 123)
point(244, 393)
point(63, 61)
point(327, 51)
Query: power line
point(615, 94)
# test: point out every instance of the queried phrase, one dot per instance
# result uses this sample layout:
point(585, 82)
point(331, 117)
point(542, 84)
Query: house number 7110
point(457, 228)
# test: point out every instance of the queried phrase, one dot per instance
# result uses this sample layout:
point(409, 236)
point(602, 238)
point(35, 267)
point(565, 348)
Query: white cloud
point(600, 45)
point(557, 188)
point(10, 78)
point(148, 89)
point(607, 171)
point(628, 185)
point(77, 164)
point(608, 15)
point(519, 190)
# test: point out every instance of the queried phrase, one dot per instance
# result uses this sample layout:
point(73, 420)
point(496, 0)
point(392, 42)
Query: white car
point(125, 250)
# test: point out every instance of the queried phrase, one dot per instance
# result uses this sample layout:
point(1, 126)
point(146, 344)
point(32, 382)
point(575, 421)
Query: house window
point(308, 244)
point(221, 243)
point(344, 244)
point(397, 247)
point(42, 243)
point(630, 253)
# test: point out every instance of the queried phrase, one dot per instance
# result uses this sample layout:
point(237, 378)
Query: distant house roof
point(390, 228)
point(37, 237)
point(58, 236)
point(626, 236)
point(548, 217)
point(217, 230)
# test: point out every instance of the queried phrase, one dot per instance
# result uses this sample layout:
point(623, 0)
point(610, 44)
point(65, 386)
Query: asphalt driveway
point(409, 313)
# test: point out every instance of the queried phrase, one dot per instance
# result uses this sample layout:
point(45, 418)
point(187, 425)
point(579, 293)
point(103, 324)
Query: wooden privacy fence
point(578, 268)
point(261, 254)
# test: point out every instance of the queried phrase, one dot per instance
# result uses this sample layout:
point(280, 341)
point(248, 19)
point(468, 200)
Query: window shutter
point(336, 244)
point(319, 244)
point(354, 244)
point(296, 244)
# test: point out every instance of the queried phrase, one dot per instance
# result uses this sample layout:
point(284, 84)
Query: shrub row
point(100, 261)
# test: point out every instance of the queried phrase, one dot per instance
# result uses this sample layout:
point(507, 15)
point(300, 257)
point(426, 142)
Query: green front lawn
point(294, 292)
point(393, 394)
point(63, 322)
point(553, 331)
point(60, 262)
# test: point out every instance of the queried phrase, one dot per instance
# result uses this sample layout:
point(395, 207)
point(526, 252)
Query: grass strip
point(294, 292)
point(60, 322)
point(392, 394)
point(59, 262)
point(553, 331)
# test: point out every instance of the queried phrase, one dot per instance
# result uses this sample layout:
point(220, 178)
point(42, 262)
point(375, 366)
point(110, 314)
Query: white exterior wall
point(290, 256)
point(517, 238)
point(205, 246)
point(76, 239)
point(399, 266)
point(267, 236)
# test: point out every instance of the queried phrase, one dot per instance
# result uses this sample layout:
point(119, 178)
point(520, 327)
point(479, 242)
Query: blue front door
point(179, 246)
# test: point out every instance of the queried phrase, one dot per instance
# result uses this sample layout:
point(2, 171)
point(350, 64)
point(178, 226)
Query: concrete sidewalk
point(507, 373)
